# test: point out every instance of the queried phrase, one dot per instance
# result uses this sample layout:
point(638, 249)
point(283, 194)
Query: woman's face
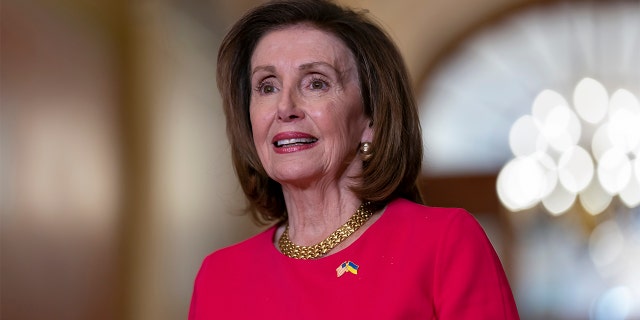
point(306, 109)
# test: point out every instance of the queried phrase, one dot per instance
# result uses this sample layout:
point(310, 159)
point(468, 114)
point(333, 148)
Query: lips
point(291, 142)
point(290, 139)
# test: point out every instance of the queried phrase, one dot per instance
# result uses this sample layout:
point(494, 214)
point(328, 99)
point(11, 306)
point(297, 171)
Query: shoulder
point(247, 250)
point(454, 235)
point(468, 280)
point(403, 211)
point(431, 226)
point(225, 266)
point(226, 274)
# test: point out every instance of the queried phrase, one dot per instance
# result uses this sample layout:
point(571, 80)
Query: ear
point(367, 133)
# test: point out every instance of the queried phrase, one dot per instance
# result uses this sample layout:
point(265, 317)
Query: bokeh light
point(601, 141)
point(590, 99)
point(575, 169)
point(594, 199)
point(630, 195)
point(636, 168)
point(614, 304)
point(561, 151)
point(614, 171)
point(624, 118)
point(606, 243)
point(525, 138)
point(544, 102)
point(521, 183)
point(559, 201)
point(614, 250)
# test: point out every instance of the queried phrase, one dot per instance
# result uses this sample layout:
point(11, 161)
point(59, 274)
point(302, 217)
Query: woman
point(326, 142)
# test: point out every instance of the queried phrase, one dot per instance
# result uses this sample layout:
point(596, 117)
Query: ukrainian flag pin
point(347, 266)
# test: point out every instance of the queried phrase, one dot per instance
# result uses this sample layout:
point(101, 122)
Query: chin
point(295, 174)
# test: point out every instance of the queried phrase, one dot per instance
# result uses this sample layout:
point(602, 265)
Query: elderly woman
point(326, 143)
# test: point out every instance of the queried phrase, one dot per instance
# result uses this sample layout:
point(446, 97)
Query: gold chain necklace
point(295, 251)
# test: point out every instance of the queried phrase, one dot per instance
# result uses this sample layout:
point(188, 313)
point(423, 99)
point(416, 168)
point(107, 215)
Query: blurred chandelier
point(588, 151)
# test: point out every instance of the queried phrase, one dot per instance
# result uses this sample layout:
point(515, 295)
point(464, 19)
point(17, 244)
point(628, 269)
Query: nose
point(289, 106)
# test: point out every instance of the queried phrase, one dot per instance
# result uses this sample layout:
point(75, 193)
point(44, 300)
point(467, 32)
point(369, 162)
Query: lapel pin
point(347, 266)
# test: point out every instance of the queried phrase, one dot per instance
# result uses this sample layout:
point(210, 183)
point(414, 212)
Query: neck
point(357, 220)
point(314, 215)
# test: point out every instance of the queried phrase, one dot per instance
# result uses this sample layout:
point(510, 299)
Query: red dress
point(414, 262)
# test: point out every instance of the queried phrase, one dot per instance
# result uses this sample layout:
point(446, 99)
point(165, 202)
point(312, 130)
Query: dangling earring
point(366, 151)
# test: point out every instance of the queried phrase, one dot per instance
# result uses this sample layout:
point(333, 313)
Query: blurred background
point(116, 177)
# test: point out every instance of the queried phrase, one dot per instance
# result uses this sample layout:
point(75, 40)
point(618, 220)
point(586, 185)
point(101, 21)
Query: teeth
point(281, 143)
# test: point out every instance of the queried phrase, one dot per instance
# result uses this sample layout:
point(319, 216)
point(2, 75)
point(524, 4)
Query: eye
point(318, 84)
point(266, 87)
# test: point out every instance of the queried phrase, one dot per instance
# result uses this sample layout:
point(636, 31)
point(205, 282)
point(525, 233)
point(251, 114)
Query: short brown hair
point(386, 91)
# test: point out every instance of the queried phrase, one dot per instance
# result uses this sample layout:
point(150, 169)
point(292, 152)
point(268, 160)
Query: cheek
point(256, 127)
point(259, 127)
point(260, 111)
point(253, 118)
point(254, 113)
point(354, 115)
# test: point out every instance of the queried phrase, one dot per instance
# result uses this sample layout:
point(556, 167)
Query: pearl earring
point(366, 151)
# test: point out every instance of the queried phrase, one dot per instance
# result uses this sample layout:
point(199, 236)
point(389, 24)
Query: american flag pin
point(347, 266)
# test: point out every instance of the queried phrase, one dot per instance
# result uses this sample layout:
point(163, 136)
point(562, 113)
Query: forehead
point(301, 43)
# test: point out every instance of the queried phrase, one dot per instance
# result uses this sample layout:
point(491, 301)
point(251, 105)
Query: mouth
point(293, 142)
point(293, 139)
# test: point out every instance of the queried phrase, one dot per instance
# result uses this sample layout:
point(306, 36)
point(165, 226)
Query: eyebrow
point(341, 74)
point(263, 68)
point(311, 65)
point(304, 66)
